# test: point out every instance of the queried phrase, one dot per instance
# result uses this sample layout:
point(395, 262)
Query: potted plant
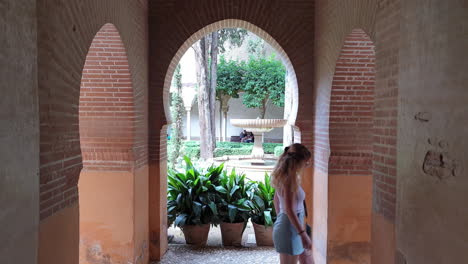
point(192, 200)
point(234, 209)
point(263, 212)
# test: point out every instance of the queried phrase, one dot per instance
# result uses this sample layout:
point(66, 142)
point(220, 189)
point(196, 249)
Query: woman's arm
point(276, 202)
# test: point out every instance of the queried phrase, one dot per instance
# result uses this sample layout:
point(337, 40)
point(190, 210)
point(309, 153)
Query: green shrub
point(191, 196)
point(263, 209)
point(219, 152)
point(191, 149)
point(232, 145)
point(269, 148)
point(236, 197)
point(278, 151)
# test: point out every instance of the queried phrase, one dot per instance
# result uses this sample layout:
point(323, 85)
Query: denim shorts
point(285, 236)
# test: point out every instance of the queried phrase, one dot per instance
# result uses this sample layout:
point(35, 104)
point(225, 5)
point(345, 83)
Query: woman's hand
point(306, 242)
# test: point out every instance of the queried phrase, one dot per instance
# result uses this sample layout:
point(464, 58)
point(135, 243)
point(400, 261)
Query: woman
point(289, 232)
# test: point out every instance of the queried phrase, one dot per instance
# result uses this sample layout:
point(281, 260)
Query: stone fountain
point(258, 127)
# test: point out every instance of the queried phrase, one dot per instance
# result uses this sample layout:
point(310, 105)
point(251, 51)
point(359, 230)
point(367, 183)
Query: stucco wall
point(19, 133)
point(432, 212)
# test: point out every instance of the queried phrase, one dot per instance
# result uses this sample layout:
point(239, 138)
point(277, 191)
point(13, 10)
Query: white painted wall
point(237, 110)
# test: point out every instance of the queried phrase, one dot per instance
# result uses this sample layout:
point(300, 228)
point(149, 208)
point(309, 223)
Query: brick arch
point(106, 106)
point(291, 114)
point(168, 32)
point(63, 42)
point(351, 137)
point(107, 125)
point(335, 20)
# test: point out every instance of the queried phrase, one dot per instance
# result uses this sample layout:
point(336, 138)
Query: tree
point(177, 109)
point(206, 55)
point(204, 105)
point(230, 78)
point(264, 81)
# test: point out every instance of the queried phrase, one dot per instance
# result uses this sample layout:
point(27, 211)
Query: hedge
point(192, 148)
point(278, 151)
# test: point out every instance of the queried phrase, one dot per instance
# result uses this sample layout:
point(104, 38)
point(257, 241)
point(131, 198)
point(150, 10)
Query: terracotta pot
point(231, 233)
point(196, 235)
point(263, 235)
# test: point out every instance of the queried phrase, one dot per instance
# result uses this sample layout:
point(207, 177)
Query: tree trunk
point(206, 135)
point(263, 108)
point(221, 135)
point(213, 81)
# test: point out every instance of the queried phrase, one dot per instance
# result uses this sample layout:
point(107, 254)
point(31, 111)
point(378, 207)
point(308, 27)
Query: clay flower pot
point(231, 233)
point(263, 235)
point(196, 235)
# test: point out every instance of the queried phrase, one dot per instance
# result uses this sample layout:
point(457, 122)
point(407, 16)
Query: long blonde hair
point(286, 170)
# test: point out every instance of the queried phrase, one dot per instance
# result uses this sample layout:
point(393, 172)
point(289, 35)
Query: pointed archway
point(108, 194)
point(350, 176)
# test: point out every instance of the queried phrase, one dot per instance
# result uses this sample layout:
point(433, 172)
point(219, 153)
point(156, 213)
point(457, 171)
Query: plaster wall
point(19, 133)
point(106, 216)
point(432, 216)
point(60, 231)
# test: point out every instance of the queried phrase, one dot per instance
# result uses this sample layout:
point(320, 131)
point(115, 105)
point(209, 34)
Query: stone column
point(257, 151)
point(224, 110)
point(188, 95)
point(189, 128)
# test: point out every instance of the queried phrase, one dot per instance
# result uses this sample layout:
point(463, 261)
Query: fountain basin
point(258, 127)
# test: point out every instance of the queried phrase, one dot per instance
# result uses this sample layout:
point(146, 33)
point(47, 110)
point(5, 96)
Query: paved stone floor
point(214, 252)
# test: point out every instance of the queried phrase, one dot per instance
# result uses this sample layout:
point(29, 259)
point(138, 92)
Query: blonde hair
point(286, 170)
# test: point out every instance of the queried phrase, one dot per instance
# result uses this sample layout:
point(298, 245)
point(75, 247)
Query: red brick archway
point(107, 185)
point(350, 163)
point(290, 110)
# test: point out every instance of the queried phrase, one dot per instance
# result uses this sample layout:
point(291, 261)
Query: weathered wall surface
point(432, 215)
point(19, 133)
point(65, 32)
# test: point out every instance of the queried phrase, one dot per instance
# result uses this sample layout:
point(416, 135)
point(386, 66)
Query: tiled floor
point(214, 252)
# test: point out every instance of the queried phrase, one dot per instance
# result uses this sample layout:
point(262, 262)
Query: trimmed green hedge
point(192, 148)
point(278, 150)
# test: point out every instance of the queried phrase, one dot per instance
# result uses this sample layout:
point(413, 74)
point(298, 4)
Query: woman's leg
point(288, 259)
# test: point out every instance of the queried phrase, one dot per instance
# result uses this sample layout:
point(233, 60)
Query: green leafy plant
point(236, 197)
point(263, 209)
point(192, 197)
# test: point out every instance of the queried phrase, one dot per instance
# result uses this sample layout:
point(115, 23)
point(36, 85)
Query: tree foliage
point(261, 81)
point(177, 110)
point(230, 78)
point(235, 36)
point(264, 81)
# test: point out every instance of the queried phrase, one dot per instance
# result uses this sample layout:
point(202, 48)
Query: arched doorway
point(350, 177)
point(108, 195)
point(158, 218)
